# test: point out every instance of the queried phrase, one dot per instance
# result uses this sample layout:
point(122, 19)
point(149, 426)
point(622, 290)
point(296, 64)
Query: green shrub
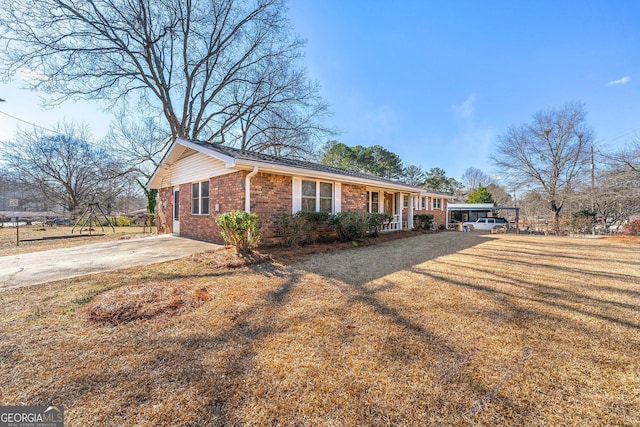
point(350, 226)
point(240, 229)
point(375, 221)
point(107, 222)
point(301, 227)
point(314, 221)
point(423, 222)
point(122, 221)
point(292, 230)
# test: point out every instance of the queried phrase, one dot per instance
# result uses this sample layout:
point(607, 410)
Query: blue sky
point(438, 81)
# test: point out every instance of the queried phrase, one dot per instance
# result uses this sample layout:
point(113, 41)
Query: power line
point(618, 137)
point(29, 123)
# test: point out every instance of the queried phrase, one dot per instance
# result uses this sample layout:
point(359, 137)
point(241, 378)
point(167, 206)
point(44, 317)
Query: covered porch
point(394, 203)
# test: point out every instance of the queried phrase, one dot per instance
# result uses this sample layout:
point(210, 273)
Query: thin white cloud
point(622, 81)
point(466, 109)
point(29, 74)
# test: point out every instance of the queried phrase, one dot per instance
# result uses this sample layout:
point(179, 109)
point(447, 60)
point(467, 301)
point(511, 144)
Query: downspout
point(412, 201)
point(247, 189)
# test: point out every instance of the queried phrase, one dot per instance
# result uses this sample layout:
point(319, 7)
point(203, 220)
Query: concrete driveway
point(41, 267)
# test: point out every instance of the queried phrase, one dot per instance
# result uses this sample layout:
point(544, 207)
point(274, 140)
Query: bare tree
point(616, 193)
point(140, 142)
point(285, 114)
point(627, 159)
point(549, 154)
point(473, 178)
point(616, 197)
point(211, 67)
point(500, 195)
point(66, 168)
point(533, 210)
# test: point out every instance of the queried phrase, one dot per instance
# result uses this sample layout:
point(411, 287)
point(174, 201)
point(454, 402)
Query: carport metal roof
point(478, 207)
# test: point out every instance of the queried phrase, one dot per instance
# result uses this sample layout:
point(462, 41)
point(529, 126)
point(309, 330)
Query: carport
point(469, 212)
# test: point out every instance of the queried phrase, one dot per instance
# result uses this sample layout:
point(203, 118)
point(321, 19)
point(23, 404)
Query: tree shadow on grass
point(358, 266)
point(562, 299)
point(208, 361)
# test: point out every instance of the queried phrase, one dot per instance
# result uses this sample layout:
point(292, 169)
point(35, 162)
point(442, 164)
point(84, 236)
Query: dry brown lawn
point(439, 329)
point(41, 236)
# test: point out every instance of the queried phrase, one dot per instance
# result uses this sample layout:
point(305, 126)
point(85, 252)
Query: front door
point(176, 210)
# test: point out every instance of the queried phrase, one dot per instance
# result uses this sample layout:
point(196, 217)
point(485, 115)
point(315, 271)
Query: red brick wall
point(271, 196)
point(439, 215)
point(354, 198)
point(226, 190)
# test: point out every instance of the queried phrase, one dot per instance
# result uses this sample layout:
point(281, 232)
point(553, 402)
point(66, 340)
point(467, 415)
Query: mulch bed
point(288, 256)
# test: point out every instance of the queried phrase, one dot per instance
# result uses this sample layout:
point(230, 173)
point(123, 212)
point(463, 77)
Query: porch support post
point(412, 201)
point(399, 209)
point(447, 213)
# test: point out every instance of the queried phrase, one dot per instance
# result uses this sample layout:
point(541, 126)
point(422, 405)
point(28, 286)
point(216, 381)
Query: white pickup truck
point(485, 224)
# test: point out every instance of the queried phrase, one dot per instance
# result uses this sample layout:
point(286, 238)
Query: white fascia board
point(436, 195)
point(175, 151)
point(308, 173)
point(229, 161)
point(165, 164)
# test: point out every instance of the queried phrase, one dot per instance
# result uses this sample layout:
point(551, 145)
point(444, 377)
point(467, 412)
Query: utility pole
point(593, 182)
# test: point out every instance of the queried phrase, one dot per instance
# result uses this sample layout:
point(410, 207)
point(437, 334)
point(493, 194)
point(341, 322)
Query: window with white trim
point(373, 201)
point(200, 198)
point(436, 203)
point(317, 196)
point(423, 203)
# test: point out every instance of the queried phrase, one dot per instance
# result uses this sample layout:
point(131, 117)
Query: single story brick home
point(198, 180)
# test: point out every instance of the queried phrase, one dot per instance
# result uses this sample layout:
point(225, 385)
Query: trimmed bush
point(423, 222)
point(375, 221)
point(350, 226)
point(314, 221)
point(292, 230)
point(301, 227)
point(240, 229)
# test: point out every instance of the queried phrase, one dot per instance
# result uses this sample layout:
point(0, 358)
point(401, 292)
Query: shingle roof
point(282, 161)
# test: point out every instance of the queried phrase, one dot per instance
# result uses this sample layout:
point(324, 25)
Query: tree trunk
point(555, 208)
